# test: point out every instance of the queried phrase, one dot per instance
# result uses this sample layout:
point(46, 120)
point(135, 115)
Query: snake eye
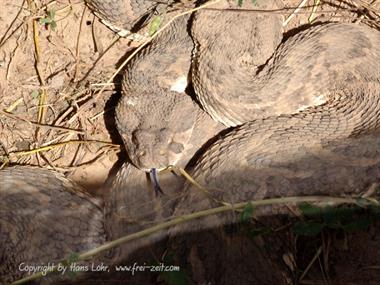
point(141, 153)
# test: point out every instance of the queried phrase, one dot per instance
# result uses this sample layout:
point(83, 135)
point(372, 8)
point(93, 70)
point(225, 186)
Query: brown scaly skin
point(300, 73)
point(125, 14)
point(44, 218)
point(159, 123)
point(330, 149)
point(326, 150)
point(332, 65)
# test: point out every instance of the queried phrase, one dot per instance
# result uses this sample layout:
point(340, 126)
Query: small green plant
point(240, 2)
point(49, 20)
point(345, 218)
point(247, 212)
point(173, 277)
point(72, 259)
point(35, 94)
point(254, 232)
point(246, 228)
point(154, 25)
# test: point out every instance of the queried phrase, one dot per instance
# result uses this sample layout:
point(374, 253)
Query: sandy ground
point(75, 60)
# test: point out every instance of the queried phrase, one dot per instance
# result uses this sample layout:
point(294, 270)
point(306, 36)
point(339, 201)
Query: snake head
point(156, 128)
point(149, 148)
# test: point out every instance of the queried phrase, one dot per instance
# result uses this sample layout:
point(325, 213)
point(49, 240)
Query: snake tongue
point(153, 174)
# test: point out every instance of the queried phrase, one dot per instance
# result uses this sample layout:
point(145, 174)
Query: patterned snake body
point(44, 217)
point(308, 123)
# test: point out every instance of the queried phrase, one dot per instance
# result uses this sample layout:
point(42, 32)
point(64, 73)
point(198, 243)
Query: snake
point(220, 93)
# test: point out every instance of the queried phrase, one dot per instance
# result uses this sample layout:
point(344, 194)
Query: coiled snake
point(305, 118)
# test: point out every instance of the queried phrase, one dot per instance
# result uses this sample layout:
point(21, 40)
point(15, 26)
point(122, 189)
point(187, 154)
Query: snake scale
point(255, 116)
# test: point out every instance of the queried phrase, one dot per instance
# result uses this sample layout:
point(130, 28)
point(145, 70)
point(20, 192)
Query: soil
point(75, 60)
point(52, 67)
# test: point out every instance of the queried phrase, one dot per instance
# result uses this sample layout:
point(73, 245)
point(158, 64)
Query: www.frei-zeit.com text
point(76, 267)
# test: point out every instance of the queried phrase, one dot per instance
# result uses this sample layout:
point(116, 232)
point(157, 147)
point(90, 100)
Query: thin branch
point(43, 126)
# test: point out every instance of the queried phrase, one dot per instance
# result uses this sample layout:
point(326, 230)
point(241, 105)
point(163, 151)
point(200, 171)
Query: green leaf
point(308, 209)
point(53, 25)
point(72, 274)
point(73, 257)
point(345, 214)
point(362, 202)
point(51, 14)
point(329, 214)
point(253, 233)
point(307, 228)
point(247, 212)
point(358, 225)
point(49, 19)
point(173, 277)
point(44, 21)
point(240, 2)
point(331, 217)
point(334, 218)
point(155, 25)
point(375, 212)
point(35, 94)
